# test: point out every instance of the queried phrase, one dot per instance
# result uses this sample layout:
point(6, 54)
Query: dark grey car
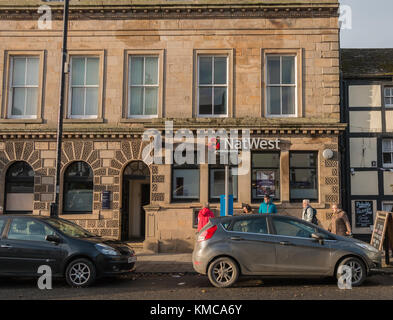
point(274, 245)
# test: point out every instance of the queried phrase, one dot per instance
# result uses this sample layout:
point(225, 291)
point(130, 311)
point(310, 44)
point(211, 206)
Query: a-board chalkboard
point(364, 214)
point(379, 231)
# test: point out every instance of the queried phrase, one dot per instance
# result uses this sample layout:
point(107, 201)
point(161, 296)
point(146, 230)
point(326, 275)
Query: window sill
point(15, 120)
point(71, 120)
point(80, 216)
point(138, 120)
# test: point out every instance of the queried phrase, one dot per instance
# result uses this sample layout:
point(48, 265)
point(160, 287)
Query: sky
point(372, 24)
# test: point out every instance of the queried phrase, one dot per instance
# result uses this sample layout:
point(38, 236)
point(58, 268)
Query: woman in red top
point(204, 216)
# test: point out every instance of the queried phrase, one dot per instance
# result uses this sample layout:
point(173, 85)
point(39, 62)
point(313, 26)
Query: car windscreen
point(69, 228)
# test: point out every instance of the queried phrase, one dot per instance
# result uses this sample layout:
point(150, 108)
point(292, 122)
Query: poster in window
point(265, 183)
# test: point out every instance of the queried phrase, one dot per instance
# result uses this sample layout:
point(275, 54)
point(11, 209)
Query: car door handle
point(236, 238)
point(5, 246)
point(286, 243)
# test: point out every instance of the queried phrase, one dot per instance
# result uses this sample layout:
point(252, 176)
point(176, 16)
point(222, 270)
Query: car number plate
point(131, 259)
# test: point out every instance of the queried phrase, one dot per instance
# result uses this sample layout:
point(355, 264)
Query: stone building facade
point(176, 33)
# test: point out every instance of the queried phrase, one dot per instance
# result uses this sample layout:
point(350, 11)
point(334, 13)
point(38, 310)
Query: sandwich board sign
point(380, 229)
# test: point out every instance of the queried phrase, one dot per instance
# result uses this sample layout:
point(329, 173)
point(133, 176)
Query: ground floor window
point(78, 188)
point(387, 206)
point(217, 182)
point(387, 150)
point(265, 175)
point(185, 182)
point(19, 188)
point(303, 176)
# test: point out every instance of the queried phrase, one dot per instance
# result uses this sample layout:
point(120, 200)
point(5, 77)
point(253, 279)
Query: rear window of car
point(251, 226)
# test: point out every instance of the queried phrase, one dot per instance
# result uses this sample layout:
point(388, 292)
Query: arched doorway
point(19, 189)
point(136, 194)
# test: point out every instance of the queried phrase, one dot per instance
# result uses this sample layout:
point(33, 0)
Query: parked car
point(28, 242)
point(274, 245)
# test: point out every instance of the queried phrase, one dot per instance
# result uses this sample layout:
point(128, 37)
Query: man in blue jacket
point(267, 206)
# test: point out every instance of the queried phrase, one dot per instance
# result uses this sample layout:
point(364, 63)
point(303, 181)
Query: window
point(387, 151)
point(2, 223)
point(19, 188)
point(185, 182)
point(212, 85)
point(291, 228)
point(84, 89)
point(281, 88)
point(303, 176)
point(28, 229)
point(143, 86)
point(389, 97)
point(251, 226)
point(386, 206)
point(217, 182)
point(78, 188)
point(24, 85)
point(265, 175)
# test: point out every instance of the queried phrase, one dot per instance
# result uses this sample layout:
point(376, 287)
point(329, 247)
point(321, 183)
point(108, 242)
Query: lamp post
point(54, 208)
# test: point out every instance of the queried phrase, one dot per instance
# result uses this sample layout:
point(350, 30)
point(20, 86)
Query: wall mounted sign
point(364, 214)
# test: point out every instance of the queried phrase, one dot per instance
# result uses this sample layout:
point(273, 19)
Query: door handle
point(5, 246)
point(236, 238)
point(285, 243)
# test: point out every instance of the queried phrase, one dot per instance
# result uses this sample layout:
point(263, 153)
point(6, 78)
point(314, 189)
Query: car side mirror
point(53, 238)
point(318, 237)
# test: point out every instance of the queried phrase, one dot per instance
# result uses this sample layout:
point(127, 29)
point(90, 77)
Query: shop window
point(143, 86)
point(281, 85)
point(19, 189)
point(217, 182)
point(24, 86)
point(389, 97)
point(387, 151)
point(78, 189)
point(265, 175)
point(212, 85)
point(303, 176)
point(85, 87)
point(185, 182)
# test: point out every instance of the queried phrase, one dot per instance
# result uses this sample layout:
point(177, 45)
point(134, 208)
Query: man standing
point(204, 216)
point(309, 213)
point(267, 206)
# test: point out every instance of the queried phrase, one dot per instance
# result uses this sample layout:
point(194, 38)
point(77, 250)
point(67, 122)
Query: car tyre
point(223, 272)
point(359, 273)
point(80, 273)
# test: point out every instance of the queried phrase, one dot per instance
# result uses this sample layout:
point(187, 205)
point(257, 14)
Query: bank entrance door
point(136, 194)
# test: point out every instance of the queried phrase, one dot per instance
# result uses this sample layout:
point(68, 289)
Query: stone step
point(136, 246)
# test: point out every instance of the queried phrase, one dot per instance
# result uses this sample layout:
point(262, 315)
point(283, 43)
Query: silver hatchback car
point(275, 245)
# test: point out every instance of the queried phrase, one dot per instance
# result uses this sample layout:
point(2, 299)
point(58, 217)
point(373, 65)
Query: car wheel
point(80, 273)
point(223, 272)
point(359, 272)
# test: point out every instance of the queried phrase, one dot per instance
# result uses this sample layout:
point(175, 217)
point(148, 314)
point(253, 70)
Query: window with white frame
point(387, 151)
point(84, 89)
point(143, 86)
point(24, 84)
point(281, 85)
point(212, 86)
point(389, 97)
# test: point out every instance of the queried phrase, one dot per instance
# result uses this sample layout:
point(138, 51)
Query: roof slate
point(361, 63)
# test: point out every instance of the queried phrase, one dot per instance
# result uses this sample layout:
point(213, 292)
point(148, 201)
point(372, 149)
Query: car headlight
point(367, 247)
point(107, 250)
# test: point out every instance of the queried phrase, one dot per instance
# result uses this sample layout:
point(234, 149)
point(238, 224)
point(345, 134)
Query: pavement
point(175, 263)
point(165, 263)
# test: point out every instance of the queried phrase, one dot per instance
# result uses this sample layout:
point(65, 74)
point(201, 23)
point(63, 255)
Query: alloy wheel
point(79, 273)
